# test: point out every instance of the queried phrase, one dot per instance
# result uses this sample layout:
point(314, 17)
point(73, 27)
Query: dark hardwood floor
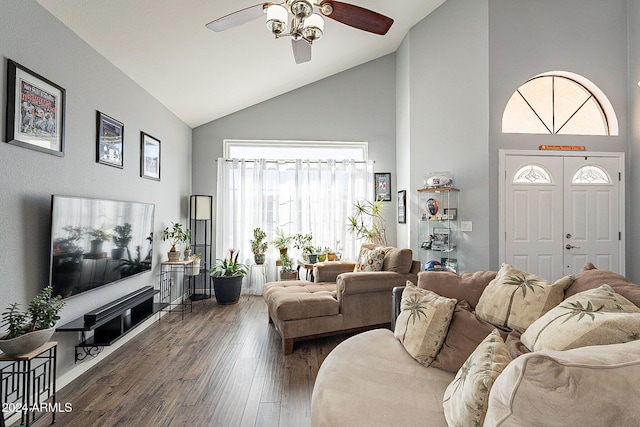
point(220, 366)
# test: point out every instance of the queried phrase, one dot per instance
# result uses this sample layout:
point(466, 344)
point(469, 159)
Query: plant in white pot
point(258, 245)
point(227, 278)
point(30, 329)
point(196, 260)
point(175, 234)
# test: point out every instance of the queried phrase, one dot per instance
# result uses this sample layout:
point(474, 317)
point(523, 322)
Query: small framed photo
point(450, 214)
point(109, 141)
point(383, 186)
point(149, 157)
point(35, 111)
point(402, 207)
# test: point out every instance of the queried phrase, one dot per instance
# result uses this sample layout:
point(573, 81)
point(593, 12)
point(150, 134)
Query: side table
point(27, 382)
point(257, 278)
point(169, 270)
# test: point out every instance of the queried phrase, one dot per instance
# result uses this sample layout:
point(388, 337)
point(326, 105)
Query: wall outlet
point(466, 225)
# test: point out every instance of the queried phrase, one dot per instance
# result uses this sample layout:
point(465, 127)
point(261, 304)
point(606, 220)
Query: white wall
point(35, 39)
point(355, 105)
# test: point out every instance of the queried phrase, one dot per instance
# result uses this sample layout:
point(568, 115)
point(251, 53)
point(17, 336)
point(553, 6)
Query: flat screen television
point(95, 242)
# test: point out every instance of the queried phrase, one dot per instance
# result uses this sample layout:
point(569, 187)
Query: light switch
point(466, 225)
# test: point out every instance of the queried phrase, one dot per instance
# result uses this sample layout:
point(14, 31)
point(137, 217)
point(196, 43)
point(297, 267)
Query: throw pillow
point(423, 322)
point(515, 299)
point(465, 333)
point(590, 278)
point(465, 286)
point(467, 397)
point(593, 317)
point(370, 260)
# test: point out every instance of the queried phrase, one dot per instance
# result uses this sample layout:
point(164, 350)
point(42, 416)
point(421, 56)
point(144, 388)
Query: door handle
point(571, 247)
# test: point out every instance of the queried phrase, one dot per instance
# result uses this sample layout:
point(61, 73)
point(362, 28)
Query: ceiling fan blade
point(301, 50)
point(239, 17)
point(357, 17)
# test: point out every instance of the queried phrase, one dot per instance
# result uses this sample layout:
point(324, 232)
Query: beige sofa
point(339, 300)
point(370, 380)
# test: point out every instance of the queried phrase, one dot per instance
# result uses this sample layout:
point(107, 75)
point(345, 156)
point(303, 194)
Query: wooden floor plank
point(221, 365)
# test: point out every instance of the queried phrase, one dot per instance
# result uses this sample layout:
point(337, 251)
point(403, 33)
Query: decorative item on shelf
point(438, 179)
point(29, 330)
point(176, 234)
point(282, 241)
point(302, 21)
point(187, 252)
point(287, 270)
point(194, 268)
point(367, 222)
point(432, 206)
point(258, 245)
point(99, 236)
point(227, 278)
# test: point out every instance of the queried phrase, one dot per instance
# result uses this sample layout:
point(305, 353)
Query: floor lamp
point(201, 219)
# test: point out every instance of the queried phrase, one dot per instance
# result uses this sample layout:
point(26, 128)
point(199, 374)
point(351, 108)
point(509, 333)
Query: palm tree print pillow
point(595, 317)
point(515, 299)
point(423, 322)
point(466, 399)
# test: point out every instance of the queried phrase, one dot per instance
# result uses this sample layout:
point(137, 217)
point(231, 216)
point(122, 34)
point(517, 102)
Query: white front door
point(559, 211)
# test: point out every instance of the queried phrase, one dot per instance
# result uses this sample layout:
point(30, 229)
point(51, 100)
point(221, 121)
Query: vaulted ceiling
point(201, 75)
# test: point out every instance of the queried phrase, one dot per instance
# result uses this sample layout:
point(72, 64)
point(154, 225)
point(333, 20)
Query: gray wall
point(587, 37)
point(33, 38)
point(355, 105)
point(633, 172)
point(448, 116)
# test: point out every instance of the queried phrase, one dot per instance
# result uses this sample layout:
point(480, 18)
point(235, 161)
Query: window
point(292, 150)
point(590, 175)
point(559, 103)
point(532, 174)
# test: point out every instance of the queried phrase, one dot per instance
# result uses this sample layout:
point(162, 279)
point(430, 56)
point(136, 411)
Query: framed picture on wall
point(35, 111)
point(383, 186)
point(402, 207)
point(109, 141)
point(149, 157)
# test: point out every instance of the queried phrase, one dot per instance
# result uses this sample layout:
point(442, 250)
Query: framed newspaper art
point(35, 111)
point(109, 141)
point(149, 157)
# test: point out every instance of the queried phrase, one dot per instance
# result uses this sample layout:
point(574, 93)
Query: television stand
point(112, 321)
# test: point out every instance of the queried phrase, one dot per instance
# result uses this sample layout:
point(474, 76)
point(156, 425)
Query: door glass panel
point(591, 175)
point(532, 174)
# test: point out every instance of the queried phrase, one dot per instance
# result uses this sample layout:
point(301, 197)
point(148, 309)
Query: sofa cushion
point(596, 385)
point(515, 345)
point(370, 380)
point(370, 260)
point(423, 322)
point(299, 299)
point(590, 277)
point(465, 286)
point(515, 299)
point(467, 397)
point(465, 333)
point(593, 317)
point(398, 260)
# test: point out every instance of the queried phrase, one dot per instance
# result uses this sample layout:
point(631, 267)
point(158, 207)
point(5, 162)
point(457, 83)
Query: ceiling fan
point(306, 24)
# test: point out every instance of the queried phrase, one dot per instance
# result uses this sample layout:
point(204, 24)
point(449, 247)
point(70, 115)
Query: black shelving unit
point(201, 224)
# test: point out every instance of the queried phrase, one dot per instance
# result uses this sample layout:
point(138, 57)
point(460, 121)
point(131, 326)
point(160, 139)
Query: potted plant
point(99, 237)
point(258, 245)
point(282, 241)
point(194, 269)
point(367, 222)
point(303, 243)
point(121, 238)
point(30, 329)
point(287, 270)
point(175, 234)
point(227, 278)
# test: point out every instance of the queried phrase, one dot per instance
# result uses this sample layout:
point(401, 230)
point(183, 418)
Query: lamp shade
point(314, 21)
point(201, 207)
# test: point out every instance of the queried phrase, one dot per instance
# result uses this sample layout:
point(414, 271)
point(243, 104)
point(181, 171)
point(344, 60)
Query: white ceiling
point(201, 75)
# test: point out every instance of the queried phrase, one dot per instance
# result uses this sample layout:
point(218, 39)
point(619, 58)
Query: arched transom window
point(532, 174)
point(559, 103)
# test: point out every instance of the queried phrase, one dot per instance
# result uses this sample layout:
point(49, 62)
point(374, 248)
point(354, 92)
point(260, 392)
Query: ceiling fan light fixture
point(313, 27)
point(301, 8)
point(277, 17)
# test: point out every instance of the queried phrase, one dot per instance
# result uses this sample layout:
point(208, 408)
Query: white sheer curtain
point(297, 196)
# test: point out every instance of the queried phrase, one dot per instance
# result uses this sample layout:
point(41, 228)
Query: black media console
point(112, 321)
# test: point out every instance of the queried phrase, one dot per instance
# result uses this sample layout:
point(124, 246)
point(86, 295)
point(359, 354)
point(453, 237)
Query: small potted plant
point(303, 243)
point(99, 237)
point(194, 269)
point(258, 245)
point(227, 278)
point(30, 329)
point(287, 270)
point(175, 234)
point(282, 241)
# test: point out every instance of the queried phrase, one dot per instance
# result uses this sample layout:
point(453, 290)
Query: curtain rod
point(294, 161)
